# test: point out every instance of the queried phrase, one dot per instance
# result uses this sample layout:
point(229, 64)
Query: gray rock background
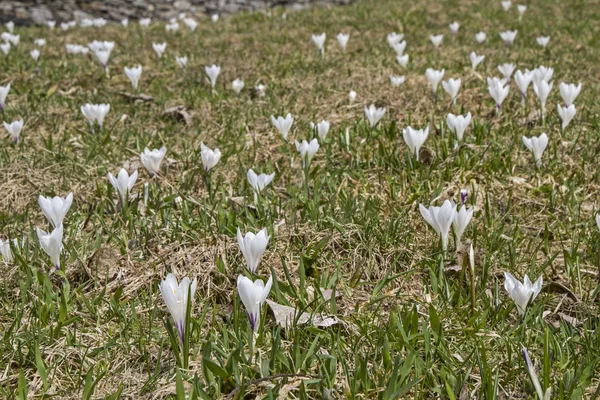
point(24, 12)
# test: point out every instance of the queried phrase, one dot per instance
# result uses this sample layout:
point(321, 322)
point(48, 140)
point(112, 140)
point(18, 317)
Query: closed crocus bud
point(283, 125)
point(3, 93)
point(452, 86)
point(434, 77)
point(566, 114)
point(152, 159)
point(480, 37)
point(397, 80)
point(475, 60)
point(506, 70)
point(414, 139)
point(458, 124)
point(543, 41)
point(506, 5)
point(259, 182)
point(343, 40)
point(209, 157)
point(5, 47)
point(461, 221)
point(35, 54)
point(374, 115)
point(51, 243)
point(14, 129)
point(55, 208)
point(542, 91)
point(237, 86)
point(522, 293)
point(322, 129)
point(134, 74)
point(351, 97)
point(319, 41)
point(176, 298)
point(536, 145)
point(454, 28)
point(569, 92)
point(102, 56)
point(253, 247)
point(307, 150)
point(521, 8)
point(440, 219)
point(402, 60)
point(123, 183)
point(181, 61)
point(498, 91)
point(436, 40)
point(598, 221)
point(213, 73)
point(253, 295)
point(6, 252)
point(159, 48)
point(508, 37)
point(523, 80)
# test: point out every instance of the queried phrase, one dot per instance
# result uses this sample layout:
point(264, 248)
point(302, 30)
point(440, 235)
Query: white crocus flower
point(253, 295)
point(40, 42)
point(322, 129)
point(343, 40)
point(440, 219)
point(35, 54)
point(260, 90)
point(145, 22)
point(414, 139)
point(190, 23)
point(95, 113)
point(458, 124)
point(569, 92)
point(523, 80)
point(461, 221)
point(214, 18)
point(434, 77)
point(319, 41)
point(397, 80)
point(51, 24)
point(498, 91)
point(51, 243)
point(213, 73)
point(508, 37)
point(14, 129)
point(5, 47)
point(475, 60)
point(352, 97)
point(209, 157)
point(55, 208)
point(134, 74)
point(10, 25)
point(283, 125)
point(536, 145)
point(436, 40)
point(3, 94)
point(394, 38)
point(307, 150)
point(259, 182)
point(507, 70)
point(374, 115)
point(181, 61)
point(454, 28)
point(452, 86)
point(402, 60)
point(542, 91)
point(534, 378)
point(522, 293)
point(521, 8)
point(237, 85)
point(152, 159)
point(176, 298)
point(506, 4)
point(399, 48)
point(566, 114)
point(123, 183)
point(543, 41)
point(6, 252)
point(253, 247)
point(480, 37)
point(542, 73)
point(159, 48)
point(125, 22)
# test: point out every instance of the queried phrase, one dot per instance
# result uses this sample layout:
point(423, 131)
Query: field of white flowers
point(386, 200)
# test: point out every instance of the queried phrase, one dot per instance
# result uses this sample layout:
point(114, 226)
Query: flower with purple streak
point(176, 298)
point(253, 295)
point(463, 196)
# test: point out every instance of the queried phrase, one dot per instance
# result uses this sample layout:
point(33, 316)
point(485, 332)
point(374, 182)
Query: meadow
point(365, 300)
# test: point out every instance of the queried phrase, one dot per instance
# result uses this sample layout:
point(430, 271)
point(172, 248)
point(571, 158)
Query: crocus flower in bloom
point(253, 295)
point(523, 80)
point(440, 219)
point(454, 28)
point(214, 18)
point(319, 41)
point(123, 183)
point(10, 26)
point(458, 124)
point(397, 80)
point(283, 125)
point(134, 74)
point(521, 8)
point(542, 73)
point(95, 113)
point(536, 145)
point(343, 40)
point(402, 60)
point(152, 159)
point(508, 37)
point(569, 92)
point(258, 182)
point(434, 77)
point(374, 115)
point(237, 86)
point(461, 221)
point(506, 4)
point(51, 243)
point(394, 38)
point(522, 293)
point(14, 129)
point(543, 41)
point(55, 208)
point(190, 23)
point(475, 60)
point(260, 90)
point(351, 97)
point(399, 48)
point(307, 150)
point(35, 54)
point(452, 86)
point(175, 296)
point(480, 37)
point(3, 93)
point(159, 48)
point(436, 40)
point(566, 114)
point(414, 139)
point(40, 42)
point(5, 47)
point(209, 157)
point(498, 91)
point(181, 61)
point(506, 70)
point(125, 22)
point(145, 22)
point(253, 247)
point(542, 91)
point(322, 129)
point(213, 73)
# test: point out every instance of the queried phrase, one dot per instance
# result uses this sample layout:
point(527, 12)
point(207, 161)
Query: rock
point(40, 14)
